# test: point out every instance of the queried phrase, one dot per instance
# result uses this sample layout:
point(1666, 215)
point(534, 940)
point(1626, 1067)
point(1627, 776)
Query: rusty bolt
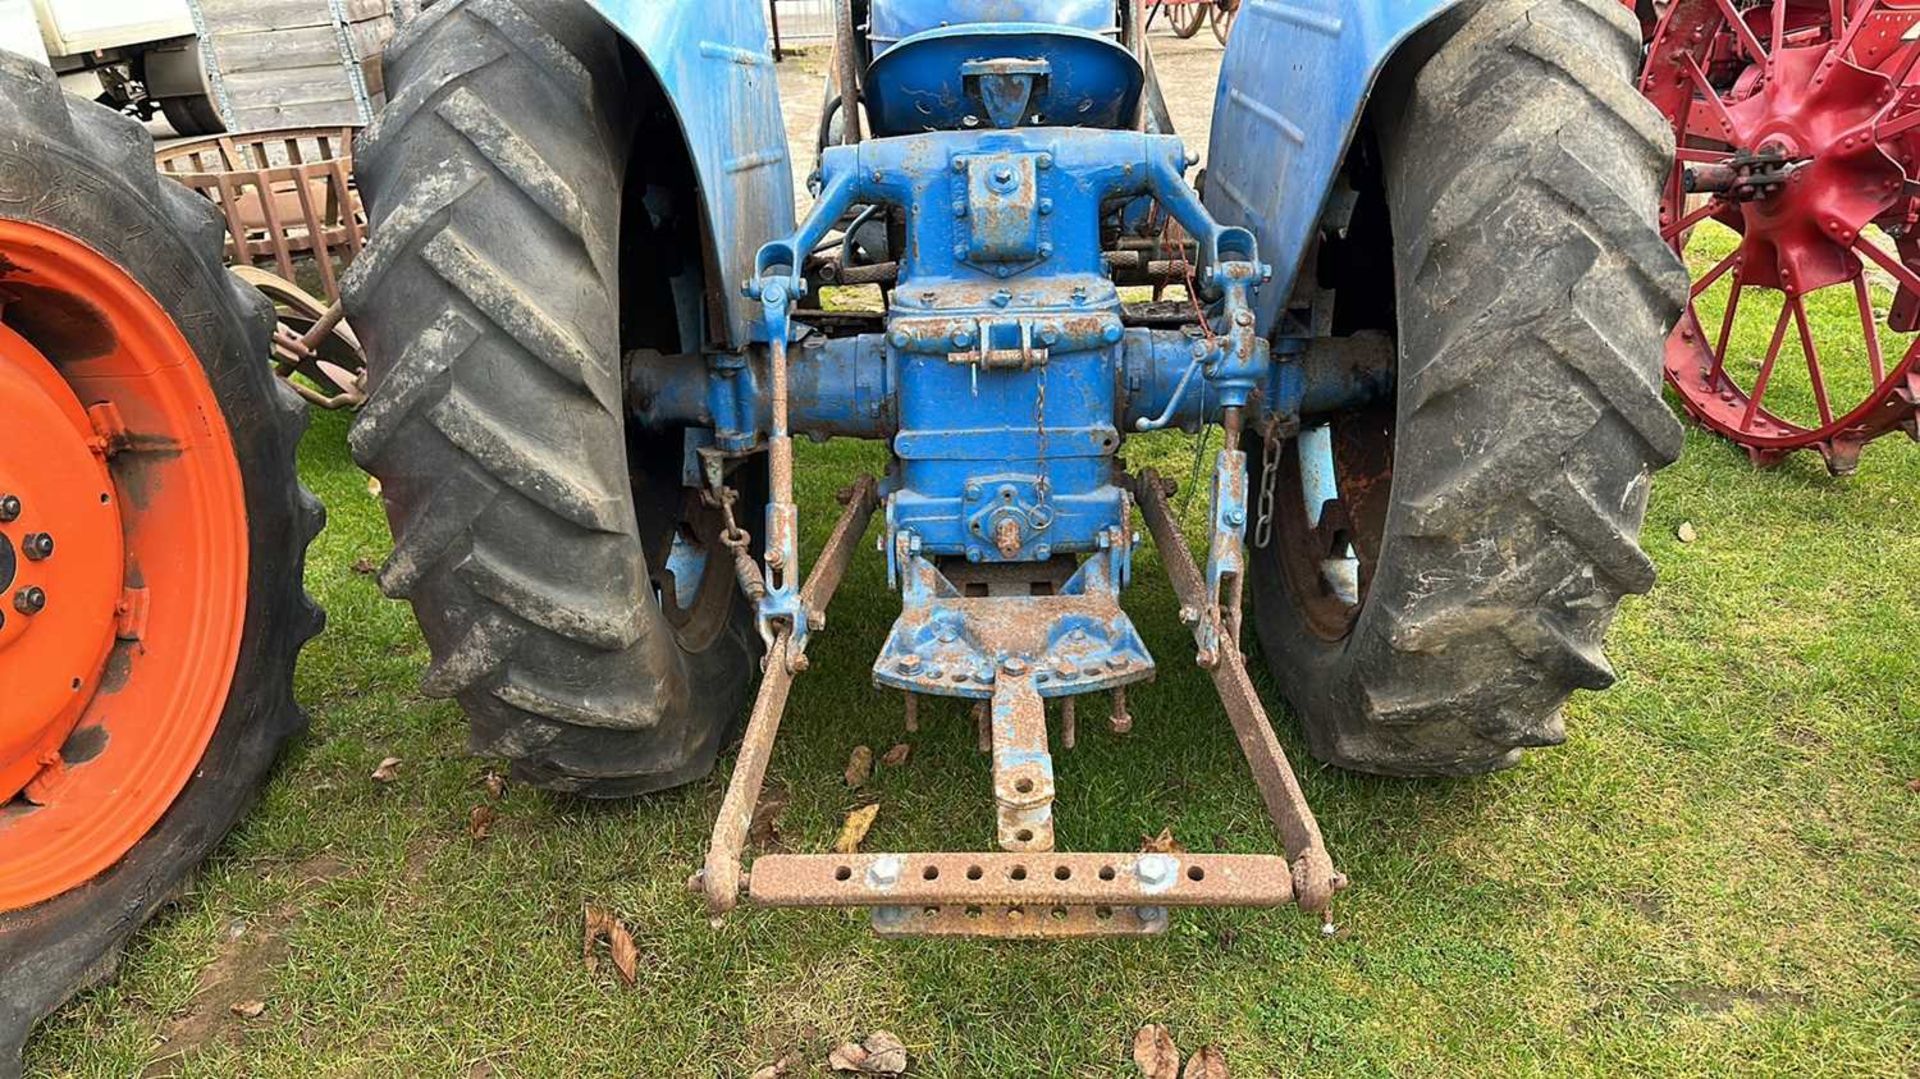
point(1002, 174)
point(37, 545)
point(30, 600)
point(799, 664)
point(1006, 537)
point(1014, 665)
point(1189, 616)
point(9, 508)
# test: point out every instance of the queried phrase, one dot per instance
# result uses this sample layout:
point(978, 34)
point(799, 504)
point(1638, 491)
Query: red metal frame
point(1797, 129)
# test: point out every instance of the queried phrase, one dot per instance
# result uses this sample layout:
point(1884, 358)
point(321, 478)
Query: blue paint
point(1293, 87)
point(714, 64)
point(1006, 152)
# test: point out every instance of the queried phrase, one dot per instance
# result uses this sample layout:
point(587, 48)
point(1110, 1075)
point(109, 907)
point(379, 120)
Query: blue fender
point(713, 60)
point(1293, 87)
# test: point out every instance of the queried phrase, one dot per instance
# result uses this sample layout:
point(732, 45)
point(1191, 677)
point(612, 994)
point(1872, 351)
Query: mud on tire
point(491, 304)
point(79, 169)
point(1519, 170)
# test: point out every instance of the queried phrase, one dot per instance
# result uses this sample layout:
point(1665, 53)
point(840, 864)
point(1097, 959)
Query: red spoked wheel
point(123, 568)
point(1794, 202)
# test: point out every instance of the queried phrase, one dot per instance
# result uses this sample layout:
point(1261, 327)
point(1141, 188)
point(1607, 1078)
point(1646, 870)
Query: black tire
point(192, 117)
point(1519, 169)
point(85, 170)
point(493, 302)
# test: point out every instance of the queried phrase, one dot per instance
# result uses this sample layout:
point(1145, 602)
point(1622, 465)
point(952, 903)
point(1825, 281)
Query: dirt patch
point(241, 974)
point(1715, 999)
point(242, 970)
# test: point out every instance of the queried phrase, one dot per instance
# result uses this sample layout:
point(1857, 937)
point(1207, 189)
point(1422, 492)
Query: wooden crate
point(293, 63)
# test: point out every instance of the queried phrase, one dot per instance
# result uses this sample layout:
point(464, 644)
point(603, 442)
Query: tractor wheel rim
point(1328, 534)
point(1802, 134)
point(115, 447)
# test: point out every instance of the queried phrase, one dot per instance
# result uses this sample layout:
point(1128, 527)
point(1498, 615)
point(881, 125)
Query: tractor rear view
point(1424, 291)
point(1425, 312)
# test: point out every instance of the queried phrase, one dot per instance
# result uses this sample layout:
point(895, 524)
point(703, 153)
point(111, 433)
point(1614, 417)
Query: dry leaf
point(1155, 1054)
point(1208, 1063)
point(880, 1054)
point(776, 1070)
point(480, 821)
point(1914, 785)
point(1164, 843)
point(597, 925)
point(1685, 533)
point(859, 766)
point(855, 829)
point(373, 486)
point(897, 756)
point(248, 1009)
point(495, 783)
point(364, 565)
point(388, 771)
point(626, 958)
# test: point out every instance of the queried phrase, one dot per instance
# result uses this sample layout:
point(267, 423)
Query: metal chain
point(1269, 471)
point(737, 541)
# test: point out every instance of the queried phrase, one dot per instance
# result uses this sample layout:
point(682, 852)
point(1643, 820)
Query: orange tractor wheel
point(152, 533)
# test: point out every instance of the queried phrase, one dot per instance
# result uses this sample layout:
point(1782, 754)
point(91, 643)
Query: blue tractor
point(1425, 294)
point(1421, 295)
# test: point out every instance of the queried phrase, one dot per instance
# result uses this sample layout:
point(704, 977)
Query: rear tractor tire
point(152, 537)
point(494, 301)
point(1441, 611)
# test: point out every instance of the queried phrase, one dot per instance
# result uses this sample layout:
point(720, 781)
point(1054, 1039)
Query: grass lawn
point(1719, 873)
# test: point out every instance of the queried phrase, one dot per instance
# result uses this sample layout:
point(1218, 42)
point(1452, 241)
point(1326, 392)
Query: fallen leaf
point(1208, 1063)
point(1155, 1054)
point(859, 766)
point(364, 565)
point(495, 783)
point(626, 957)
point(897, 756)
point(855, 829)
point(880, 1054)
point(597, 925)
point(1685, 533)
point(776, 1070)
point(480, 821)
point(1914, 785)
point(1164, 843)
point(388, 771)
point(373, 486)
point(248, 1009)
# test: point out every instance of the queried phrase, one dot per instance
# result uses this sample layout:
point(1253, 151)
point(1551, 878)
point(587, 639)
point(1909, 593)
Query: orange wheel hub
point(123, 562)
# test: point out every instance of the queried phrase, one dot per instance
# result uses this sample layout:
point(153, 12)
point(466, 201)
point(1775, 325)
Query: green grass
point(1718, 874)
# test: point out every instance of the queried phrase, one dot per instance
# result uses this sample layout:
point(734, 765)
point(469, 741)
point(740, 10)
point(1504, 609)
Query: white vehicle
point(144, 53)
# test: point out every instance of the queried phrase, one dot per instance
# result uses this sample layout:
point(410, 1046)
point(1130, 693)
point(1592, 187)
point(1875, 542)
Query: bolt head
point(901, 338)
point(1045, 161)
point(1154, 870)
point(9, 508)
point(884, 872)
point(30, 600)
point(37, 546)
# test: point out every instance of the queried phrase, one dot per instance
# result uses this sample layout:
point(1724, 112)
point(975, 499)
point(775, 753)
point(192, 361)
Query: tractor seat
point(1026, 63)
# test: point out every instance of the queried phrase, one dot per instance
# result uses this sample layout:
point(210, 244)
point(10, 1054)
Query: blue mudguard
point(1292, 90)
point(713, 60)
